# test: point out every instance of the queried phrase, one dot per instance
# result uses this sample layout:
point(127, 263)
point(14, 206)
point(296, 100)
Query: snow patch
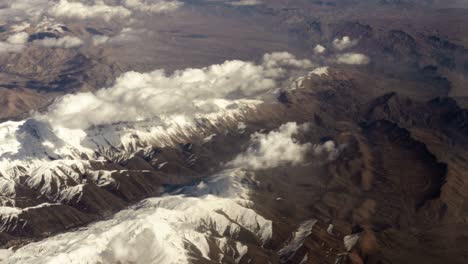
point(296, 241)
point(159, 230)
point(320, 71)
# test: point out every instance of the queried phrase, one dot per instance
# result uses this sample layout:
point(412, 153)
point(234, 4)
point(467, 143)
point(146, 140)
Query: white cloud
point(274, 149)
point(128, 35)
point(353, 58)
point(17, 9)
point(66, 42)
point(99, 40)
point(138, 96)
point(67, 9)
point(35, 10)
point(245, 2)
point(328, 149)
point(99, 9)
point(344, 43)
point(18, 38)
point(278, 59)
point(155, 6)
point(319, 49)
point(14, 43)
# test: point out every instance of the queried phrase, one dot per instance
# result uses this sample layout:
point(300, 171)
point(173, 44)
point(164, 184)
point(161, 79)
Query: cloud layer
point(344, 43)
point(138, 96)
point(65, 8)
point(155, 6)
point(274, 149)
point(319, 49)
point(33, 10)
point(353, 59)
point(245, 2)
point(14, 43)
point(328, 149)
point(66, 42)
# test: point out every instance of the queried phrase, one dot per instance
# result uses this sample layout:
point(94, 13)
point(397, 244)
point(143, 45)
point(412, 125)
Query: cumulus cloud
point(274, 149)
point(353, 58)
point(245, 2)
point(154, 6)
point(99, 40)
point(127, 35)
point(6, 47)
point(99, 9)
point(18, 38)
point(34, 10)
point(279, 59)
point(191, 92)
point(14, 9)
point(319, 49)
point(328, 149)
point(14, 43)
point(344, 43)
point(66, 42)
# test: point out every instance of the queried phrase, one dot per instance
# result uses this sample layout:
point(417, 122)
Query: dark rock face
point(420, 181)
point(41, 35)
point(77, 196)
point(41, 221)
point(397, 182)
point(394, 178)
point(392, 175)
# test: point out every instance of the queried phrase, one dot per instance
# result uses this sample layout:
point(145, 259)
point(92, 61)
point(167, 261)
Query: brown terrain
point(399, 182)
point(400, 176)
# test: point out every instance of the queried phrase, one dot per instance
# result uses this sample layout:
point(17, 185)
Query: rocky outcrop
point(385, 168)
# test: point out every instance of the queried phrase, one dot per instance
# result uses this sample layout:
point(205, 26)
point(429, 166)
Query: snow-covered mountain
point(210, 221)
point(57, 173)
point(52, 151)
point(303, 169)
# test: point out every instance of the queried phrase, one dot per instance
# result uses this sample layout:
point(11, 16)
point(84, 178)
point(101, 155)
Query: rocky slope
point(238, 162)
point(379, 175)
